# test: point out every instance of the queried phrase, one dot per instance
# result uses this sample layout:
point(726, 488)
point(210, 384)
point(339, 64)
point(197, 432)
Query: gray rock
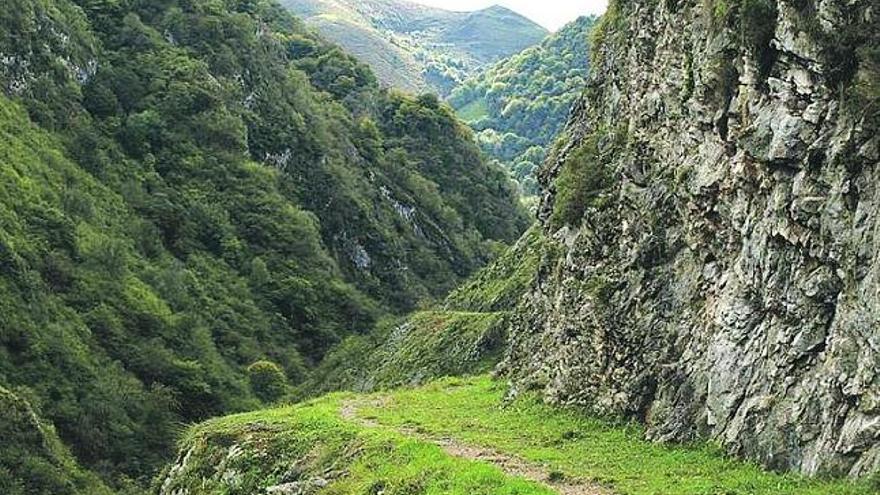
point(298, 487)
point(730, 290)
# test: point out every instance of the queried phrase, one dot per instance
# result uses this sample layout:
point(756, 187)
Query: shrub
point(267, 380)
point(584, 180)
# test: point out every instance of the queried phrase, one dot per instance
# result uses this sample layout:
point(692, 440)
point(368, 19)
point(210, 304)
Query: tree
point(267, 380)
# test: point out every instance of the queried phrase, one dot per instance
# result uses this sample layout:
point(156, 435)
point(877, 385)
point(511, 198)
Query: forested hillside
point(189, 187)
point(418, 48)
point(519, 105)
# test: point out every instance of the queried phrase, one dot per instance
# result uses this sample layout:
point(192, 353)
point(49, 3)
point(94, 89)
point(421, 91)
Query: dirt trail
point(512, 466)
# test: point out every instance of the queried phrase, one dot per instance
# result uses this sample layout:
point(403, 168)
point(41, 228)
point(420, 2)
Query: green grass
point(474, 110)
point(471, 411)
point(426, 346)
point(247, 453)
point(441, 343)
point(499, 286)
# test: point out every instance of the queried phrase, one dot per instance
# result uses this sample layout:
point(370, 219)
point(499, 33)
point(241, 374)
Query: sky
point(552, 14)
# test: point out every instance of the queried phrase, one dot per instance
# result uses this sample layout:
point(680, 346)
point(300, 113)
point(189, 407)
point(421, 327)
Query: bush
point(583, 181)
point(267, 380)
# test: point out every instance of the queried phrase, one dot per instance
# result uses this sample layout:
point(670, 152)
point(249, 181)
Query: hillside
point(232, 263)
point(198, 200)
point(703, 277)
point(32, 459)
point(417, 48)
point(465, 334)
point(519, 105)
point(455, 437)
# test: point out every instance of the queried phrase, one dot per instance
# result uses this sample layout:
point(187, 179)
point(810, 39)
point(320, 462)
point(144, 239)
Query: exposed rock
point(298, 487)
point(729, 288)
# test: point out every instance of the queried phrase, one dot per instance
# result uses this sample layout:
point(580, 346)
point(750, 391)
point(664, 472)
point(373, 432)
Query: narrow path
point(512, 466)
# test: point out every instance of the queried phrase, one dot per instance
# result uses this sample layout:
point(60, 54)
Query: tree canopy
point(192, 186)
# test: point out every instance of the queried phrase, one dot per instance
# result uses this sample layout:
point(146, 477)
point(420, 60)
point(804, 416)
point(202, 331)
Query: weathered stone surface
point(730, 290)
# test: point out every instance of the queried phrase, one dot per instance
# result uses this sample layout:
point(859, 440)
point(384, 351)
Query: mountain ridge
point(419, 48)
point(518, 105)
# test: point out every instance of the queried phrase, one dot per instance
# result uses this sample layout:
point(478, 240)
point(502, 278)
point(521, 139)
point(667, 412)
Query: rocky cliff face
point(716, 204)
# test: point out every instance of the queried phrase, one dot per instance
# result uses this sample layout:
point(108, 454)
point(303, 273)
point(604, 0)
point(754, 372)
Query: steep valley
point(518, 106)
point(198, 200)
point(234, 262)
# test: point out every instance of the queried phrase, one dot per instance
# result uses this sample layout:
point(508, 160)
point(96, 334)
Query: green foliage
point(585, 178)
point(519, 105)
point(607, 29)
point(499, 286)
point(267, 380)
point(465, 336)
point(32, 459)
point(425, 346)
point(442, 152)
point(192, 186)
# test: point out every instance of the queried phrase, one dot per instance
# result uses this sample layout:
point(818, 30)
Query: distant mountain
point(418, 48)
point(520, 104)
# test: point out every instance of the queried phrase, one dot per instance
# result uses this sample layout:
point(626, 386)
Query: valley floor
point(456, 436)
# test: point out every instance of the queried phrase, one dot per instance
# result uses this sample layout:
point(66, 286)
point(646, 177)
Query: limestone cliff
point(717, 202)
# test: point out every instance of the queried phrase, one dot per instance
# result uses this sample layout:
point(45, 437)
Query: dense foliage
point(267, 380)
point(585, 179)
point(520, 105)
point(32, 459)
point(192, 186)
point(418, 48)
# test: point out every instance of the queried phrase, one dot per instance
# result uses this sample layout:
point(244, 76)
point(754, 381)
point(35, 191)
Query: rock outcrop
point(717, 203)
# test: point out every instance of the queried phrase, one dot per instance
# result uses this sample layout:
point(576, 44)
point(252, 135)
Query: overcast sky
point(552, 14)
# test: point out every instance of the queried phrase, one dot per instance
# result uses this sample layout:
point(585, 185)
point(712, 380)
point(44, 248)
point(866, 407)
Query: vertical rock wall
point(724, 282)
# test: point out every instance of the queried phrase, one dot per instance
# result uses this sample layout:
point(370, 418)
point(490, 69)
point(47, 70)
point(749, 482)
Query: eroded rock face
point(728, 288)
